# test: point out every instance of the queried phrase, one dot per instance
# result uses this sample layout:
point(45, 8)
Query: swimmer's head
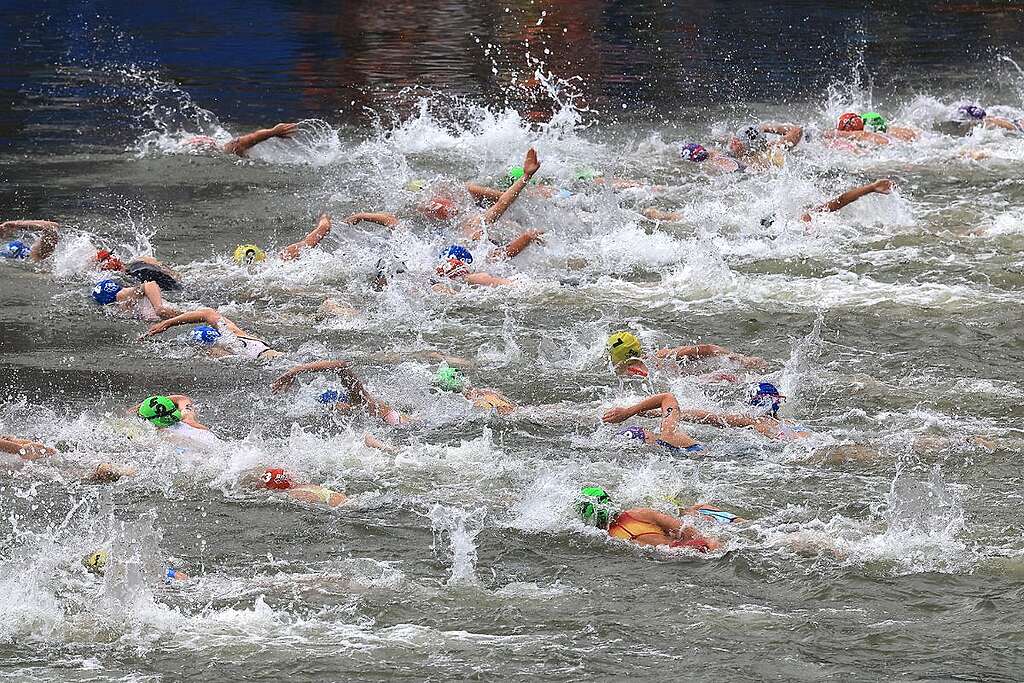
point(96, 561)
point(970, 112)
point(694, 152)
point(749, 140)
point(766, 396)
point(108, 261)
point(160, 411)
point(245, 254)
point(587, 174)
point(594, 506)
point(449, 379)
point(850, 121)
point(204, 335)
point(514, 174)
point(332, 396)
point(15, 249)
point(874, 123)
point(622, 346)
point(632, 434)
point(454, 261)
point(105, 291)
point(276, 478)
point(439, 207)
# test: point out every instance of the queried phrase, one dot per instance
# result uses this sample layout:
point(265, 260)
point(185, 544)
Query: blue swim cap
point(205, 335)
point(766, 395)
point(458, 252)
point(971, 111)
point(15, 249)
point(105, 291)
point(334, 396)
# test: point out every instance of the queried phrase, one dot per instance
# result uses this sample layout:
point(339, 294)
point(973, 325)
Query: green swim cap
point(594, 506)
point(449, 379)
point(96, 561)
point(874, 122)
point(514, 174)
point(160, 410)
point(587, 174)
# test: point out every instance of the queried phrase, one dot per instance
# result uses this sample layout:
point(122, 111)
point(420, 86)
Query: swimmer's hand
point(530, 163)
point(616, 415)
point(883, 186)
point(283, 383)
point(751, 362)
point(284, 130)
point(159, 327)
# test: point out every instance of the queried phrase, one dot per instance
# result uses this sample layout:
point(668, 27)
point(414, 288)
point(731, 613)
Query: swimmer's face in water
point(634, 367)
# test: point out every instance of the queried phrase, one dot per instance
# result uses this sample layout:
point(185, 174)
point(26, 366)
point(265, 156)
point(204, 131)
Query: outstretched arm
point(791, 135)
point(388, 220)
point(24, 448)
point(883, 186)
point(616, 415)
point(242, 144)
point(322, 229)
point(285, 380)
point(202, 315)
point(721, 420)
point(516, 246)
point(482, 192)
point(698, 351)
point(486, 280)
point(7, 227)
point(508, 197)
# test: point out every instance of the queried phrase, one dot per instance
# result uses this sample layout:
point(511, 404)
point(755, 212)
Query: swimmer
point(753, 150)
point(97, 560)
point(712, 160)
point(670, 437)
point(210, 334)
point(41, 249)
point(456, 259)
point(629, 358)
point(28, 451)
point(142, 268)
point(869, 128)
point(176, 419)
point(451, 379)
point(246, 254)
point(242, 144)
point(277, 479)
point(352, 394)
point(144, 302)
point(643, 526)
point(883, 186)
point(968, 116)
point(765, 399)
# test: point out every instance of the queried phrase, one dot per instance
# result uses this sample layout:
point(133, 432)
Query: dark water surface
point(894, 326)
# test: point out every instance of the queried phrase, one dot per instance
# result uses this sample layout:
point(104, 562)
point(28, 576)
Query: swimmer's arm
point(285, 380)
point(311, 240)
point(716, 419)
point(616, 415)
point(710, 351)
point(373, 442)
point(998, 122)
point(388, 220)
point(201, 315)
point(482, 192)
point(516, 246)
point(508, 197)
point(8, 227)
point(486, 280)
point(151, 290)
point(791, 135)
point(883, 186)
point(664, 216)
point(242, 144)
point(24, 448)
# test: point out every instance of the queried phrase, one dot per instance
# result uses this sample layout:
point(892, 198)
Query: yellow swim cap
point(248, 253)
point(96, 561)
point(622, 346)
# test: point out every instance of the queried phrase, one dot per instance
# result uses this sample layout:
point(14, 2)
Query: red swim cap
point(275, 478)
point(850, 121)
point(440, 208)
point(108, 261)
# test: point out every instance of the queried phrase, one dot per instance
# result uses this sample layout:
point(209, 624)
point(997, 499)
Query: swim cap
point(108, 261)
point(15, 249)
point(415, 185)
point(633, 434)
point(694, 152)
point(105, 291)
point(449, 379)
point(850, 121)
point(248, 253)
point(390, 266)
point(766, 395)
point(96, 561)
point(594, 506)
point(275, 478)
point(587, 174)
point(970, 111)
point(457, 251)
point(622, 346)
point(440, 208)
point(514, 174)
point(204, 335)
point(334, 396)
point(753, 138)
point(874, 122)
point(160, 411)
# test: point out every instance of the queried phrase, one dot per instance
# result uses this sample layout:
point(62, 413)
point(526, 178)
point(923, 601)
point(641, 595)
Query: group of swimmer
point(135, 287)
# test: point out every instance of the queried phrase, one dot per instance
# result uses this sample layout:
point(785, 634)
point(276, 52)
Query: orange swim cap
point(275, 478)
point(440, 208)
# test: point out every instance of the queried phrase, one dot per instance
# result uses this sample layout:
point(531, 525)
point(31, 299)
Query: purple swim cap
point(694, 152)
point(971, 111)
point(634, 434)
